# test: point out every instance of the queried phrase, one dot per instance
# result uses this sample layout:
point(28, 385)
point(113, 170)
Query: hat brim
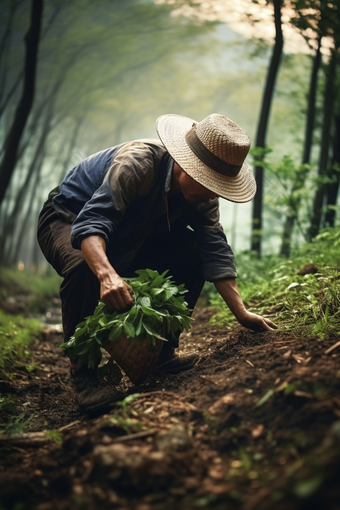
point(171, 130)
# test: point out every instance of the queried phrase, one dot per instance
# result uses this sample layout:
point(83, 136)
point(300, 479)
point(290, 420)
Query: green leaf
point(265, 397)
point(129, 330)
point(145, 301)
point(133, 312)
point(157, 281)
point(148, 311)
point(151, 273)
point(128, 400)
point(139, 327)
point(150, 330)
point(116, 332)
point(305, 488)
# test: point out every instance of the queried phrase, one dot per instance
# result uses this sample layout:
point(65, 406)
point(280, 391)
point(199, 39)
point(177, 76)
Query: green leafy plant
point(31, 368)
point(54, 436)
point(15, 425)
point(7, 405)
point(159, 310)
point(305, 304)
point(121, 416)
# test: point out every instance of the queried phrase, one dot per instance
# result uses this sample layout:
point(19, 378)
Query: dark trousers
point(79, 292)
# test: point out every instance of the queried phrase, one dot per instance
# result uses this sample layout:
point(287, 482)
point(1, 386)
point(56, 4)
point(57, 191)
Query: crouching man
point(147, 204)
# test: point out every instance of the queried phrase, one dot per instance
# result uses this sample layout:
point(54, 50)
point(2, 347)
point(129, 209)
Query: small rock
point(176, 439)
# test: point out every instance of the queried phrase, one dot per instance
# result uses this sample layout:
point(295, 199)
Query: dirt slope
point(199, 439)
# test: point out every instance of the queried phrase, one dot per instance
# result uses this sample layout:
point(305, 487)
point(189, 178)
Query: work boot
point(93, 394)
point(171, 363)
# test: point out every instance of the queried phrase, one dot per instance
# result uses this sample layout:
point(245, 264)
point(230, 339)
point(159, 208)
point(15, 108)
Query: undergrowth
point(11, 421)
point(41, 287)
point(16, 335)
point(303, 304)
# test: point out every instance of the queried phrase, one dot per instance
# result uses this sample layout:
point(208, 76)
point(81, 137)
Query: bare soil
point(202, 438)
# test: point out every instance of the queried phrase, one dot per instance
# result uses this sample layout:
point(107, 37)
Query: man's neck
point(174, 188)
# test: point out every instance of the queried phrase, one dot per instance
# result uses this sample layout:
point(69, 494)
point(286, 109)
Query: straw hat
point(212, 152)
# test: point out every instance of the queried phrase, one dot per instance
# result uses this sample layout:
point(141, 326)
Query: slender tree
point(295, 197)
point(324, 148)
point(7, 165)
point(262, 128)
point(333, 187)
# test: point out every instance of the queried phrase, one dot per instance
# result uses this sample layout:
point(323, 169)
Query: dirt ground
point(203, 438)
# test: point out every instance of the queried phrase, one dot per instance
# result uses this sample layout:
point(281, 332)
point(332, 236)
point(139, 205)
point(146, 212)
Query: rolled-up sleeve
point(128, 178)
point(216, 254)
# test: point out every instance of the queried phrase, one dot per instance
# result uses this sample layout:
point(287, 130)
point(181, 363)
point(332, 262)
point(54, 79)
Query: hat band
point(207, 157)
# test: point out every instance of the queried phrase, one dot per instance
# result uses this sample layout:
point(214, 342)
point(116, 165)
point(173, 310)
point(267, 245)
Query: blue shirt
point(119, 194)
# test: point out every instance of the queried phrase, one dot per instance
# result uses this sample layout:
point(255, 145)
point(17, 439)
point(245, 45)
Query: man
point(151, 204)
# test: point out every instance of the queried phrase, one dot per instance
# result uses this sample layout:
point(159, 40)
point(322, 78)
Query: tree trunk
point(292, 215)
point(262, 128)
point(8, 226)
point(4, 46)
point(333, 188)
point(13, 254)
point(24, 107)
point(324, 150)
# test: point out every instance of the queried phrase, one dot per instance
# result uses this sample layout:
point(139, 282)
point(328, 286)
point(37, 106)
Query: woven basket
point(134, 356)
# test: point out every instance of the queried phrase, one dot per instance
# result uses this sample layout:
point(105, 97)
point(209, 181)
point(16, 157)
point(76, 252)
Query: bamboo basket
point(134, 356)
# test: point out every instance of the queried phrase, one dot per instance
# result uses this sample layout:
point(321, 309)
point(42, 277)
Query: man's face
point(193, 192)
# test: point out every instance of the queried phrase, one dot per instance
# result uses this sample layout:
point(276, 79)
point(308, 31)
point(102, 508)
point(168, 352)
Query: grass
point(303, 304)
point(16, 335)
point(41, 287)
point(11, 422)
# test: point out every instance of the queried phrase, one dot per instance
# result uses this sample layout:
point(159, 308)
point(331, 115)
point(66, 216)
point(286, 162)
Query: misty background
point(107, 69)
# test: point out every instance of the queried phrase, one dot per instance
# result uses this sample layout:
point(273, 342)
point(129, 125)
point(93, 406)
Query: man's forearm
point(228, 289)
point(114, 291)
point(94, 251)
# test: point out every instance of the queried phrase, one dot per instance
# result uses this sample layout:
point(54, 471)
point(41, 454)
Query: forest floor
point(254, 425)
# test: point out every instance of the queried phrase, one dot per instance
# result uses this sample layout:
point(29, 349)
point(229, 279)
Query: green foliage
point(54, 436)
point(265, 397)
point(122, 418)
point(159, 310)
point(16, 335)
point(15, 425)
point(7, 405)
point(304, 304)
point(315, 388)
point(31, 368)
point(41, 288)
point(12, 423)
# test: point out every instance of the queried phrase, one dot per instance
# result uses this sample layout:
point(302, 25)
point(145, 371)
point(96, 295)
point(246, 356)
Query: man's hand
point(114, 291)
point(256, 322)
point(229, 292)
